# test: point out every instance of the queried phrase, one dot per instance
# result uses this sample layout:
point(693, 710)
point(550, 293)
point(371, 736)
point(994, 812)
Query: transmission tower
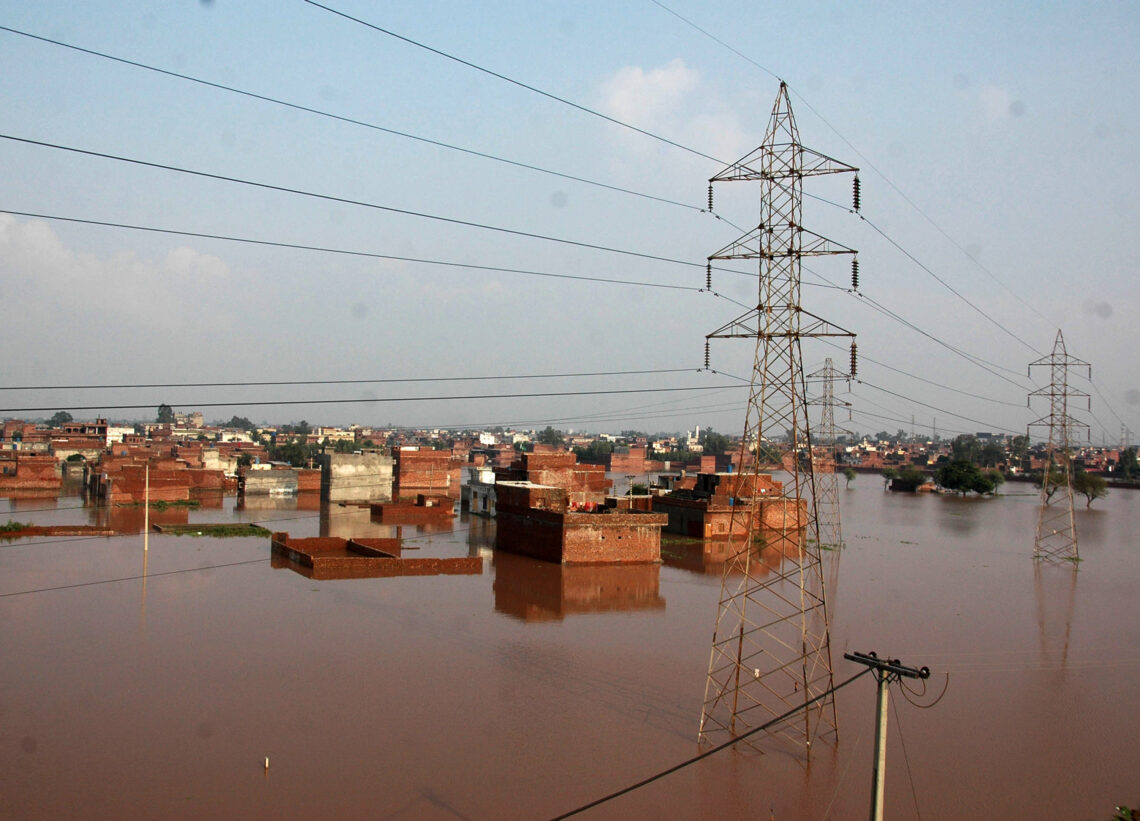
point(823, 453)
point(771, 648)
point(1056, 526)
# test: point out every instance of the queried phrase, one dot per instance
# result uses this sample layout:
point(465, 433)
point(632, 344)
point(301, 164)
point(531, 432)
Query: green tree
point(1092, 486)
point(1128, 468)
point(59, 419)
point(889, 475)
point(966, 448)
point(908, 479)
point(963, 476)
point(714, 443)
point(344, 446)
point(550, 436)
point(594, 453)
point(239, 422)
point(991, 453)
point(244, 460)
point(1019, 447)
point(165, 415)
point(849, 474)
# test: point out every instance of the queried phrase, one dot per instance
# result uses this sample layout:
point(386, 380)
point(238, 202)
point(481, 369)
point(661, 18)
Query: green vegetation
point(963, 476)
point(75, 457)
point(12, 527)
point(1090, 485)
point(594, 453)
point(849, 474)
point(217, 531)
point(193, 504)
point(1128, 469)
point(908, 479)
point(59, 419)
point(638, 489)
point(165, 415)
point(239, 422)
point(550, 436)
point(713, 442)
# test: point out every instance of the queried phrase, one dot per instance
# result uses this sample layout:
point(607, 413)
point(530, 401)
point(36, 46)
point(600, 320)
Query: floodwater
point(531, 689)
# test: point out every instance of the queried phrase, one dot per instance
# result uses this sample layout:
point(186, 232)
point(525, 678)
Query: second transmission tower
point(1056, 525)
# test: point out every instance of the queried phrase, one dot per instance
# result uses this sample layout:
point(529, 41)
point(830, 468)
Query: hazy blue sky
point(1012, 126)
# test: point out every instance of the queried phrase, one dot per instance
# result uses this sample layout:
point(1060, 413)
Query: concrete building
point(478, 494)
point(356, 477)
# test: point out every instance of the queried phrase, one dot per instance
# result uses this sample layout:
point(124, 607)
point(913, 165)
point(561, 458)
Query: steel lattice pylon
point(1056, 525)
point(771, 650)
point(823, 461)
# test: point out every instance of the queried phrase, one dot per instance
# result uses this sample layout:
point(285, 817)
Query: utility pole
point(1056, 525)
point(771, 646)
point(886, 672)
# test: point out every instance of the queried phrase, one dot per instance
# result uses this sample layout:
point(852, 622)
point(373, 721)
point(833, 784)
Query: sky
point(996, 147)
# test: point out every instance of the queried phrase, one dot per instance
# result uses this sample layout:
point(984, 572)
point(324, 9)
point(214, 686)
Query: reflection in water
point(1055, 590)
point(354, 522)
point(534, 590)
point(707, 557)
point(131, 518)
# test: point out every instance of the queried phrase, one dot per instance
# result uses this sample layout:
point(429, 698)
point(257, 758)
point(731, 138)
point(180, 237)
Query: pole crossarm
point(756, 244)
point(753, 166)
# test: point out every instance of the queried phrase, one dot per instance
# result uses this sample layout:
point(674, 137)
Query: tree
point(239, 422)
point(59, 419)
point(550, 436)
point(244, 460)
point(714, 443)
point(165, 415)
point(908, 480)
point(1092, 486)
point(1019, 447)
point(966, 448)
point(889, 475)
point(1128, 468)
point(991, 453)
point(849, 475)
point(963, 476)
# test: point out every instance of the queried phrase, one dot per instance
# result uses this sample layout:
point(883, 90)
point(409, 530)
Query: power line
point(874, 168)
point(350, 120)
point(349, 381)
point(388, 399)
point(731, 742)
point(518, 83)
point(129, 578)
point(932, 407)
point(948, 286)
point(347, 201)
point(366, 254)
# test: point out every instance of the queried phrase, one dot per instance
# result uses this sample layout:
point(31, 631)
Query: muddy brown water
point(530, 690)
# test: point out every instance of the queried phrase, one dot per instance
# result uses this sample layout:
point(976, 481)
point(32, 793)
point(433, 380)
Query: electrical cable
point(386, 399)
point(350, 120)
point(949, 287)
point(731, 742)
point(347, 381)
point(518, 83)
point(129, 578)
point(906, 758)
point(926, 405)
point(870, 165)
point(348, 201)
point(366, 254)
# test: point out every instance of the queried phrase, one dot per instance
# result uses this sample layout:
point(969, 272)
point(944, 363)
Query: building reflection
point(538, 591)
point(770, 549)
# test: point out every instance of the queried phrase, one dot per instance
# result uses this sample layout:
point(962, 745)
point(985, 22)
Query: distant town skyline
point(441, 223)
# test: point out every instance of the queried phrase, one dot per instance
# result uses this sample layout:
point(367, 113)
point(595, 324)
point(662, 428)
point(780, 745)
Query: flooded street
point(531, 689)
